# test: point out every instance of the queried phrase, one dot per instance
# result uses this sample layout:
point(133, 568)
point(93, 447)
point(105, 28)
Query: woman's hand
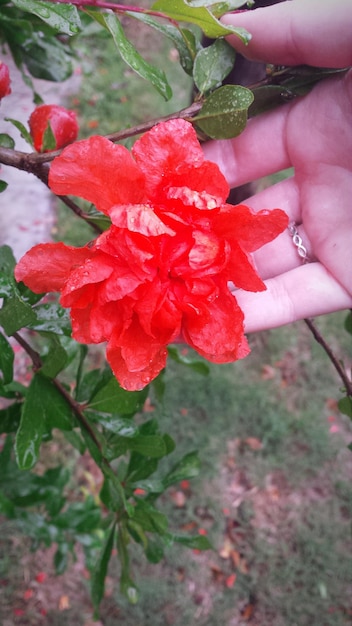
point(313, 135)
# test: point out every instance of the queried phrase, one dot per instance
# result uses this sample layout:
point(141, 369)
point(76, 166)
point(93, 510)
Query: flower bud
point(52, 127)
point(5, 88)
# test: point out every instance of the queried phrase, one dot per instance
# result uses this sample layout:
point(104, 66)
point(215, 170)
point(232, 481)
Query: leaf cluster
point(95, 415)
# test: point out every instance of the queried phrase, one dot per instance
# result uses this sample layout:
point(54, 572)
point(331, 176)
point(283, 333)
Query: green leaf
point(348, 322)
point(181, 11)
point(63, 19)
point(124, 427)
point(132, 57)
point(224, 113)
point(32, 427)
point(6, 141)
point(25, 134)
point(47, 59)
point(154, 551)
point(10, 418)
point(44, 408)
point(75, 440)
point(81, 517)
point(153, 485)
point(110, 495)
point(220, 8)
point(137, 532)
point(113, 399)
point(199, 542)
point(183, 40)
point(187, 467)
point(3, 185)
point(49, 141)
point(188, 359)
point(16, 314)
point(61, 558)
point(6, 506)
point(152, 446)
point(7, 266)
point(212, 65)
point(53, 318)
point(127, 586)
point(6, 360)
point(56, 359)
point(150, 518)
point(345, 406)
point(101, 568)
point(140, 467)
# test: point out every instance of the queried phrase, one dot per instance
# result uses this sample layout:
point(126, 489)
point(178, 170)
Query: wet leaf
point(187, 467)
point(6, 360)
point(132, 57)
point(224, 113)
point(62, 18)
point(212, 65)
point(111, 398)
point(6, 141)
point(101, 568)
point(183, 12)
point(44, 408)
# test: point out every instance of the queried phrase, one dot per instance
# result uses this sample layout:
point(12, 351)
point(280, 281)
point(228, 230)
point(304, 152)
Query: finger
point(316, 33)
point(260, 150)
point(306, 291)
point(280, 255)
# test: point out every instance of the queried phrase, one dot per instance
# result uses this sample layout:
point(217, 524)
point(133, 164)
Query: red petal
point(251, 230)
point(98, 171)
point(47, 267)
point(94, 270)
point(94, 323)
point(241, 271)
point(202, 186)
point(217, 333)
point(135, 358)
point(139, 218)
point(170, 155)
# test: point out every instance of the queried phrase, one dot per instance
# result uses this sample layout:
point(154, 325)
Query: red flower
point(160, 272)
point(5, 88)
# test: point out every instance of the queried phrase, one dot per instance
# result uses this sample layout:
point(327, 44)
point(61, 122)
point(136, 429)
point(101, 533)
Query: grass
point(274, 493)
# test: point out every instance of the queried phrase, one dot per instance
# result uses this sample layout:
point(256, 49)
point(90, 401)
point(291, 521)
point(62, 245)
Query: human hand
point(313, 135)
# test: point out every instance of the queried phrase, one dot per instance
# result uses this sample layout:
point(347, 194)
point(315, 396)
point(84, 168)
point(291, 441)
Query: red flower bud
point(5, 88)
point(60, 121)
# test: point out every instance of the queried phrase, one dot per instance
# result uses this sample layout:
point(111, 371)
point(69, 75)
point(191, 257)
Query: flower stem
point(333, 358)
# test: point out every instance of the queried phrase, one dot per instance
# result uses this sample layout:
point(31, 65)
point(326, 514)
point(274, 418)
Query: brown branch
point(334, 360)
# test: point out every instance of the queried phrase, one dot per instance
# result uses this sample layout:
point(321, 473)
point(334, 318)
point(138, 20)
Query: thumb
point(314, 32)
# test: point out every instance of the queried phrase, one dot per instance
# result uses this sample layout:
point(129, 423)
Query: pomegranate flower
point(160, 272)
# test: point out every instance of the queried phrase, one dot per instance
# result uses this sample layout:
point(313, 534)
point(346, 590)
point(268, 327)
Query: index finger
point(297, 32)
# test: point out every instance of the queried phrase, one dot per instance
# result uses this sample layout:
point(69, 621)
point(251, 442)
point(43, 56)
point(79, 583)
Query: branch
point(334, 360)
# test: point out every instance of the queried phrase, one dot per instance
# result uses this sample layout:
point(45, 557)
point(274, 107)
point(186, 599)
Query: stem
point(113, 6)
point(334, 360)
point(78, 211)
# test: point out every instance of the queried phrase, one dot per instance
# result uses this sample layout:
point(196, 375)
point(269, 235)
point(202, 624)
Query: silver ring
point(298, 243)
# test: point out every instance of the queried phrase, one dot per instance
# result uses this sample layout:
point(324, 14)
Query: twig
point(78, 211)
point(334, 360)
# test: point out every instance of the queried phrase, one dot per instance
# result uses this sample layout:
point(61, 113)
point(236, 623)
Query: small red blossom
point(5, 88)
point(160, 272)
point(63, 124)
point(41, 577)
